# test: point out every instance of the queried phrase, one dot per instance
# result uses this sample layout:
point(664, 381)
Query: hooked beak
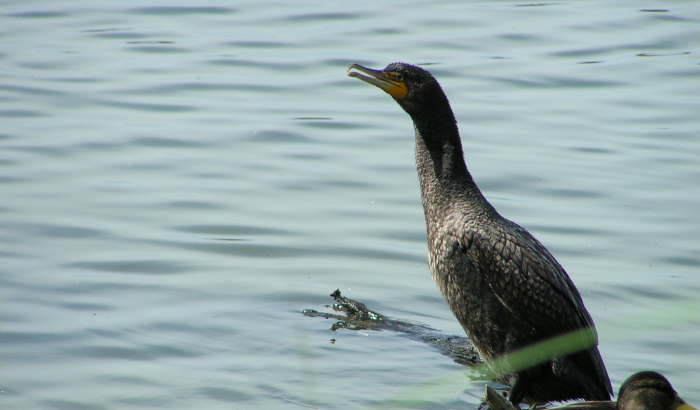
point(396, 89)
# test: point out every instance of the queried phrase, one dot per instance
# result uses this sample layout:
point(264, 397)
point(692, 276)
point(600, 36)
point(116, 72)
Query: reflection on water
point(179, 182)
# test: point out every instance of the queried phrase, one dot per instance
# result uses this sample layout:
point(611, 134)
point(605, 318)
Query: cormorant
point(502, 284)
point(641, 391)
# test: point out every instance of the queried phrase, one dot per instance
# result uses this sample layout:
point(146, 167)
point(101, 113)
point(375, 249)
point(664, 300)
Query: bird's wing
point(526, 278)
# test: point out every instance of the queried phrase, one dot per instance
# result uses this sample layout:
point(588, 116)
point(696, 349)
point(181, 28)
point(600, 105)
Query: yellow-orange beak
point(394, 87)
point(685, 406)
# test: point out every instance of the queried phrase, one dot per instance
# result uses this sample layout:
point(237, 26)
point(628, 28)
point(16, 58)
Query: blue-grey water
point(180, 179)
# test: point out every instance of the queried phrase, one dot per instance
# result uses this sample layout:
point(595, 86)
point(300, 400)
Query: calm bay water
point(179, 180)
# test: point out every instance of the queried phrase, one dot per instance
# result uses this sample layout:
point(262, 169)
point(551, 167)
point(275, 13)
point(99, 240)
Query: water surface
point(180, 180)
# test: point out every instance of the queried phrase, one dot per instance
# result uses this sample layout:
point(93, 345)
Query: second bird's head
point(414, 88)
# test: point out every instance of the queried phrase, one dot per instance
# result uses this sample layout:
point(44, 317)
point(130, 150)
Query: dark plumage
point(648, 391)
point(641, 391)
point(504, 287)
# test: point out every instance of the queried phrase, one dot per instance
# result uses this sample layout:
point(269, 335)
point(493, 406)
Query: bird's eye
point(399, 76)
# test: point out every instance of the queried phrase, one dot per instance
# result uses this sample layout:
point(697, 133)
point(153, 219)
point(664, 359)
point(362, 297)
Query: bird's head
point(412, 87)
point(649, 390)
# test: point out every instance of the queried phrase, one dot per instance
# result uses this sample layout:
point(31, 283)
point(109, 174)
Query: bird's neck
point(444, 178)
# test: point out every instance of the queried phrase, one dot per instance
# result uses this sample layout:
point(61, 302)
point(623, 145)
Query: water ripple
point(154, 107)
point(182, 10)
point(156, 267)
point(180, 181)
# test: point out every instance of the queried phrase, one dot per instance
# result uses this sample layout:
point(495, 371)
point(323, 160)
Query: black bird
point(641, 391)
point(502, 284)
